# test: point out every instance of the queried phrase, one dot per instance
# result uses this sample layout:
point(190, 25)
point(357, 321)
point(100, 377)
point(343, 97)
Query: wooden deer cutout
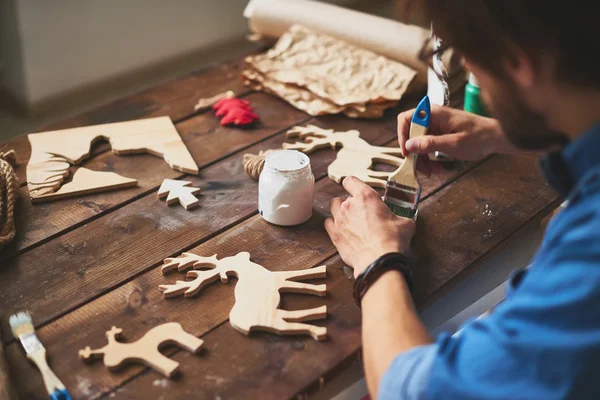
point(355, 158)
point(257, 292)
point(53, 153)
point(146, 349)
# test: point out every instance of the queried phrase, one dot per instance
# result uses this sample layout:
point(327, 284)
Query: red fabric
point(234, 111)
point(224, 105)
point(239, 116)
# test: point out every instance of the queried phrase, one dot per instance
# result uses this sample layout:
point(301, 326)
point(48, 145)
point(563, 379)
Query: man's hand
point(457, 133)
point(363, 228)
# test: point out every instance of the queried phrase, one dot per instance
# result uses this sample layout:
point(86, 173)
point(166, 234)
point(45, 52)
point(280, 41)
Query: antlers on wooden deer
point(313, 137)
point(146, 349)
point(257, 292)
point(355, 158)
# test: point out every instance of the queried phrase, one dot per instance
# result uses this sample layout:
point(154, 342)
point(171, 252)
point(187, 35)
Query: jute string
point(9, 185)
point(254, 163)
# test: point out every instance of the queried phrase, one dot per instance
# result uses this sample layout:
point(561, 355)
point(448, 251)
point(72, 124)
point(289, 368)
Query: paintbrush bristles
point(21, 324)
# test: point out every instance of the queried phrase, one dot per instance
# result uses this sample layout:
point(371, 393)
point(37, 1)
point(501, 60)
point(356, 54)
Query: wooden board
point(97, 264)
point(141, 294)
point(208, 142)
point(233, 200)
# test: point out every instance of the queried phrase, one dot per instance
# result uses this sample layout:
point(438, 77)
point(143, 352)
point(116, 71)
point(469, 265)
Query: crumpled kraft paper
point(324, 75)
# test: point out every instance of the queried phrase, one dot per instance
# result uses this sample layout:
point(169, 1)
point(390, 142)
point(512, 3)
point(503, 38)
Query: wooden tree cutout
point(146, 349)
point(179, 191)
point(53, 153)
point(257, 292)
point(355, 158)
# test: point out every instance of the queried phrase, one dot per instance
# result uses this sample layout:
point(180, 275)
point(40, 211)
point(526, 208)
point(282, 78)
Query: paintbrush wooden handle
point(51, 381)
point(406, 174)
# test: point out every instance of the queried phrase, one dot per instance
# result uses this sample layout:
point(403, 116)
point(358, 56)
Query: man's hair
point(486, 32)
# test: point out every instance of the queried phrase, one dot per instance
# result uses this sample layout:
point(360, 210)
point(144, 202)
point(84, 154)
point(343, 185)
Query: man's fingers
point(331, 229)
point(355, 186)
point(335, 206)
point(429, 144)
point(403, 129)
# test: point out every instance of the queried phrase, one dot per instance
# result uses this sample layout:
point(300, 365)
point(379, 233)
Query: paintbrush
point(403, 189)
point(22, 328)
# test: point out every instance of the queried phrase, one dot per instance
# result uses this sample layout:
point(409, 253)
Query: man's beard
point(523, 127)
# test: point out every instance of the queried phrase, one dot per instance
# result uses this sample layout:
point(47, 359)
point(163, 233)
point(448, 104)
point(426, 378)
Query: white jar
point(285, 188)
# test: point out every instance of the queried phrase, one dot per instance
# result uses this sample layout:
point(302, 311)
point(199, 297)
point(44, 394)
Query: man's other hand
point(363, 228)
point(459, 134)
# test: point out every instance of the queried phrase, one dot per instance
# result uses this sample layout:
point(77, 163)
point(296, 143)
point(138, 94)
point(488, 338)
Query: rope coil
point(254, 163)
point(9, 186)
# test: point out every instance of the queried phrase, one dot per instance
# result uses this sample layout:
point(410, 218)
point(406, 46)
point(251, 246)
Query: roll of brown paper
point(400, 42)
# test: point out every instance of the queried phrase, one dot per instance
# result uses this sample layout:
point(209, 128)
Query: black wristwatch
point(387, 262)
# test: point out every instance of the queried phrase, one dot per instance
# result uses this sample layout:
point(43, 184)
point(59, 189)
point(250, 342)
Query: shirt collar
point(564, 169)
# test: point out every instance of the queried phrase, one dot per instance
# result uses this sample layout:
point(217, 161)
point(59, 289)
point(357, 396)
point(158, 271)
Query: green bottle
point(473, 101)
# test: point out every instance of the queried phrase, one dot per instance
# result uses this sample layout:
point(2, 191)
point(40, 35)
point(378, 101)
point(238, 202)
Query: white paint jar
point(285, 188)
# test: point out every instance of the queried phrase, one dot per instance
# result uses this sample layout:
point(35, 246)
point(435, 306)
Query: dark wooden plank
point(207, 141)
point(82, 261)
point(269, 367)
point(283, 248)
point(175, 98)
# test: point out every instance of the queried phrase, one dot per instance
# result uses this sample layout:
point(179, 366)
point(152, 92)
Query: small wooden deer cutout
point(355, 158)
point(146, 349)
point(257, 292)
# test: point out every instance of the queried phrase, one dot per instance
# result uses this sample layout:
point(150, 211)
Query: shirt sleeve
point(543, 341)
point(408, 375)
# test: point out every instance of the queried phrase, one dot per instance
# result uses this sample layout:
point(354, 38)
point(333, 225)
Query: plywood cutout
point(53, 153)
point(257, 292)
point(179, 191)
point(355, 158)
point(146, 349)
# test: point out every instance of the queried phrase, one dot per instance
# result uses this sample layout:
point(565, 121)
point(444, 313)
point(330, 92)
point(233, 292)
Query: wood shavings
point(205, 103)
point(324, 75)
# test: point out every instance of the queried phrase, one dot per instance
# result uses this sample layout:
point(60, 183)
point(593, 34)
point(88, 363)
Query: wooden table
point(85, 264)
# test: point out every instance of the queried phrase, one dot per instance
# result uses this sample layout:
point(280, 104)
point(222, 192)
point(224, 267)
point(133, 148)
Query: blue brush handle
point(423, 120)
point(60, 395)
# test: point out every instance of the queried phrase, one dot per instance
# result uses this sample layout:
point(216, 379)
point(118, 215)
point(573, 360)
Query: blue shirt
point(543, 341)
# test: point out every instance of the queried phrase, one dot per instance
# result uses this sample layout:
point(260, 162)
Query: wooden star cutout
point(179, 191)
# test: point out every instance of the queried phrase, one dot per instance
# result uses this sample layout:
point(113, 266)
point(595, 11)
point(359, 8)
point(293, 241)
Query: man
point(537, 65)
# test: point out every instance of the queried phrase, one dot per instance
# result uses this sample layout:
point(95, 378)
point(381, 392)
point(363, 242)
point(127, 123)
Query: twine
point(9, 185)
point(254, 163)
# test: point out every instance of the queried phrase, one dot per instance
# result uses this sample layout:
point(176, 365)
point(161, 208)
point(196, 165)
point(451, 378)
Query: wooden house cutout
point(53, 153)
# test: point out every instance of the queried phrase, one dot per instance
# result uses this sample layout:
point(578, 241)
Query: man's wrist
point(390, 281)
point(387, 262)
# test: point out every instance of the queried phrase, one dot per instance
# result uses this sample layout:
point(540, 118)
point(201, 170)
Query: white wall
point(11, 61)
point(68, 44)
